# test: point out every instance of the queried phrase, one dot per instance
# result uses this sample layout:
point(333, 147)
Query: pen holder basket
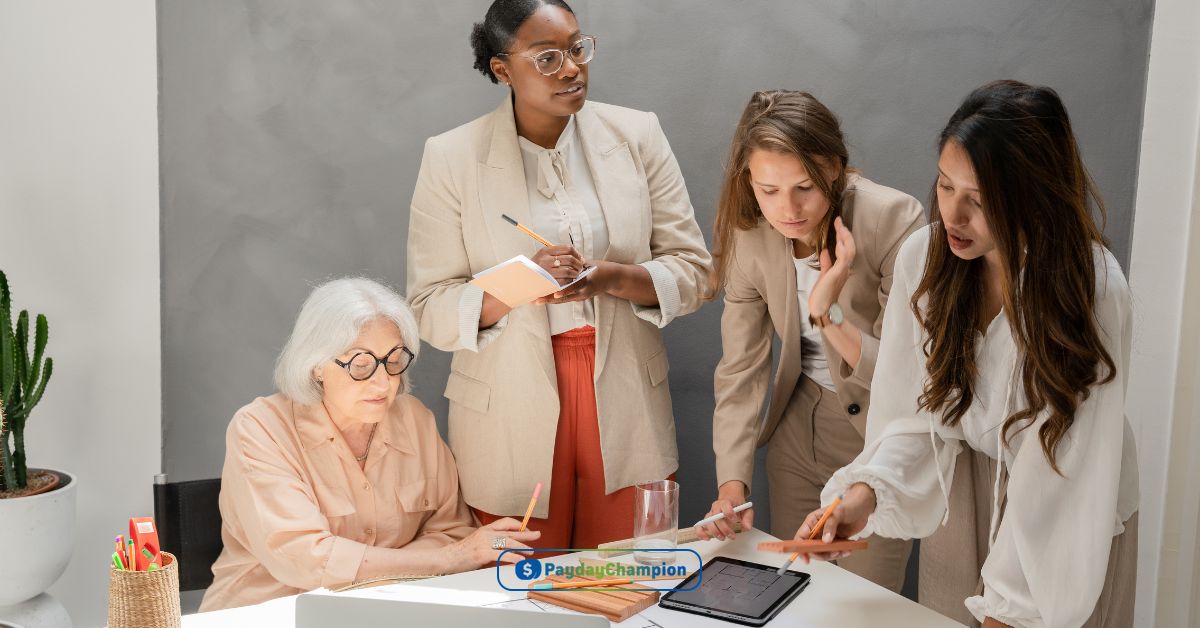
point(146, 599)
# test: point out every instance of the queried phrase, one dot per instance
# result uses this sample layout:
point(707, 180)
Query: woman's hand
point(730, 494)
point(595, 283)
point(476, 551)
point(834, 274)
point(563, 262)
point(848, 519)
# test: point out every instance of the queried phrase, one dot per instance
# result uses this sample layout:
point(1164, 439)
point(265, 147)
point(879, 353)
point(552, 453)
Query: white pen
point(719, 516)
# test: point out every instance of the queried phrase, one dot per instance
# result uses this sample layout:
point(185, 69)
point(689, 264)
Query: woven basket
point(144, 599)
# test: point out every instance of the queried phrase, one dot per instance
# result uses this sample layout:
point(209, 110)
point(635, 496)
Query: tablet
point(736, 590)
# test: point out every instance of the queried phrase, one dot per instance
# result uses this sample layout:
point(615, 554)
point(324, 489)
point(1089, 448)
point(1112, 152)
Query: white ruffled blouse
point(1049, 554)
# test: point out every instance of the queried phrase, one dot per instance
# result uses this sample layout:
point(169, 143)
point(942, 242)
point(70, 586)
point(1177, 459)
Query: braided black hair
point(495, 33)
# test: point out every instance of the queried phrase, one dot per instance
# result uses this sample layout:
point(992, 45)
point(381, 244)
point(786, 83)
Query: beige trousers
point(952, 558)
point(814, 439)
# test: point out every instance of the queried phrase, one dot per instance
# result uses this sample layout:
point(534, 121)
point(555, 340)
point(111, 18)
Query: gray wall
point(292, 130)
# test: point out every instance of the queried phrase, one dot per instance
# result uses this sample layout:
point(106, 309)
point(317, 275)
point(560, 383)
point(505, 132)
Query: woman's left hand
point(588, 287)
point(834, 274)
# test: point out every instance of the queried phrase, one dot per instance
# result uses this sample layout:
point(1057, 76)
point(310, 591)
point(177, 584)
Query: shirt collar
point(316, 427)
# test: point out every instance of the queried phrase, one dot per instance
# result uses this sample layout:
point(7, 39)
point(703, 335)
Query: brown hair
point(788, 123)
point(1035, 194)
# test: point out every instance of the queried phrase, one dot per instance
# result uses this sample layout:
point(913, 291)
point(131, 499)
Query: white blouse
point(1049, 554)
point(564, 207)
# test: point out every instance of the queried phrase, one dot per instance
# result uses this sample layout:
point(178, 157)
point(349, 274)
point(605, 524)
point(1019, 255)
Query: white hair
point(328, 324)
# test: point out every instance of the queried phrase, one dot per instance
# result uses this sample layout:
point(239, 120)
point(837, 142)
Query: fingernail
point(828, 537)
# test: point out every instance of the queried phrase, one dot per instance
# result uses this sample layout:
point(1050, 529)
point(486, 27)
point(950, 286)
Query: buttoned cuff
point(470, 336)
point(343, 563)
point(667, 290)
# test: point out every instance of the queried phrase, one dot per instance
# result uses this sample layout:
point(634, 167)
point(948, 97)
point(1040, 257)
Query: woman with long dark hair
point(1016, 345)
point(805, 250)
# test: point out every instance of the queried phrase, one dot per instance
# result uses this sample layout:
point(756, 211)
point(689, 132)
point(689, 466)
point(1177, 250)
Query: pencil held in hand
point(537, 490)
point(816, 531)
point(529, 232)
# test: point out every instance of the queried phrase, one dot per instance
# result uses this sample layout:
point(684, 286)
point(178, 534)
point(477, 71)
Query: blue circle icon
point(529, 569)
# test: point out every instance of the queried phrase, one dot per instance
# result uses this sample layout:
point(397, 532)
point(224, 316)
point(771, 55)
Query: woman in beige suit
point(570, 391)
point(805, 247)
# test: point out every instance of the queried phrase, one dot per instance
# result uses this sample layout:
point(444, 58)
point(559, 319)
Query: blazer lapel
point(502, 190)
point(790, 332)
point(618, 186)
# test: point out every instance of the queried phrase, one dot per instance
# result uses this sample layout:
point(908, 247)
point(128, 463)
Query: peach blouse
point(298, 513)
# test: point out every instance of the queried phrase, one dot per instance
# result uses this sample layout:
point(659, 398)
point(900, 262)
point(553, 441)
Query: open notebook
point(519, 281)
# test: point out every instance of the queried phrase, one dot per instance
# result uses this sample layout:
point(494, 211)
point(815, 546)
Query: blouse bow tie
point(550, 172)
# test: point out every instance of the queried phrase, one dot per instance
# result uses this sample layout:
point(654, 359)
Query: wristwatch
point(834, 315)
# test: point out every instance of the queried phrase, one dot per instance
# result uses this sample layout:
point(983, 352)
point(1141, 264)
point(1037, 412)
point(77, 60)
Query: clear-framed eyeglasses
point(550, 61)
point(363, 365)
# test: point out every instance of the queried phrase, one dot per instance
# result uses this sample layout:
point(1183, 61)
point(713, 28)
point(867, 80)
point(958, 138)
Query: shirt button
point(370, 531)
point(853, 409)
point(366, 486)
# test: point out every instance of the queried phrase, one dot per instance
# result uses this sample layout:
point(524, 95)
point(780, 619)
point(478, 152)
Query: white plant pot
point(38, 533)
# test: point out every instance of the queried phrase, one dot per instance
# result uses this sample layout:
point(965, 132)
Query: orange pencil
point(816, 531)
point(583, 584)
point(529, 232)
point(537, 490)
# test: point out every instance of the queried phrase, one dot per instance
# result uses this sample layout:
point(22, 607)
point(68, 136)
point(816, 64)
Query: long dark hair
point(1035, 194)
point(789, 123)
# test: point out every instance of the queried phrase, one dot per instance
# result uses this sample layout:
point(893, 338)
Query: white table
point(835, 597)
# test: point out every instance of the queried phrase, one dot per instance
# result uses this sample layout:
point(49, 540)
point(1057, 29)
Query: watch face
point(835, 314)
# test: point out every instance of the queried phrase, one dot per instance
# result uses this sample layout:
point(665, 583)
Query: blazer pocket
point(468, 392)
point(657, 367)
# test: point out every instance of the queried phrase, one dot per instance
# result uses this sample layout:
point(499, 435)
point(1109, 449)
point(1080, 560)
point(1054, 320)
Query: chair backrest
point(189, 526)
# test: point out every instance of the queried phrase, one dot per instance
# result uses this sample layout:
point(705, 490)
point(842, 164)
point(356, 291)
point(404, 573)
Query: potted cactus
point(37, 506)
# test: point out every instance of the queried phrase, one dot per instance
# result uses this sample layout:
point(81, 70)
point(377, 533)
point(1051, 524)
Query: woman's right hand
point(570, 262)
point(848, 519)
point(476, 551)
point(730, 494)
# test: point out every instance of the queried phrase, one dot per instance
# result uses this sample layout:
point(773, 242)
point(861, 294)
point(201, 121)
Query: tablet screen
point(737, 587)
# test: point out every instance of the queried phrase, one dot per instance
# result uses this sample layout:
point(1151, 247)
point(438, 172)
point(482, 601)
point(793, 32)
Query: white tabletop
point(835, 597)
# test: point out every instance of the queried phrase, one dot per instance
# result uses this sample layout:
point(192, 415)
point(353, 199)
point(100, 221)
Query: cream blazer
point(761, 301)
point(502, 386)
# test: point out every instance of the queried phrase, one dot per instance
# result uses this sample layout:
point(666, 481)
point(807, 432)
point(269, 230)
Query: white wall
point(79, 242)
point(1164, 207)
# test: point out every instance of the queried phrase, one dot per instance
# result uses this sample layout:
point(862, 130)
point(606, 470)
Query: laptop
point(315, 610)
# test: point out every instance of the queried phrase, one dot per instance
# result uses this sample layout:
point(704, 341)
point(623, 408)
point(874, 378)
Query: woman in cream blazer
point(790, 203)
point(587, 411)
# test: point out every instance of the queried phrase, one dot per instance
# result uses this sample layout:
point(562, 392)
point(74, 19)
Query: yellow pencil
point(816, 531)
point(537, 490)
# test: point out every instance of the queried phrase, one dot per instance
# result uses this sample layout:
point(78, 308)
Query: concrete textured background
point(291, 134)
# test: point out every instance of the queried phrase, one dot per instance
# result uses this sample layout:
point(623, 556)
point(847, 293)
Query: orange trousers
point(581, 514)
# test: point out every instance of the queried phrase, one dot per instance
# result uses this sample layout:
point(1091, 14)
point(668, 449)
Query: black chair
point(189, 527)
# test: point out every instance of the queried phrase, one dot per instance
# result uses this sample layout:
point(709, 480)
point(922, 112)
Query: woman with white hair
point(341, 476)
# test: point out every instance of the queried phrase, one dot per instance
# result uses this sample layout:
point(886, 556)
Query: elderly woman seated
point(341, 476)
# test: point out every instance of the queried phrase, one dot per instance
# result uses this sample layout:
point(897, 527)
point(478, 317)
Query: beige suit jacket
point(761, 301)
point(502, 386)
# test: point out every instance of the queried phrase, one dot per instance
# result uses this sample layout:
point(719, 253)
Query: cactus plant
point(23, 379)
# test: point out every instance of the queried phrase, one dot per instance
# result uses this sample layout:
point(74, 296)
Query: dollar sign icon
point(529, 569)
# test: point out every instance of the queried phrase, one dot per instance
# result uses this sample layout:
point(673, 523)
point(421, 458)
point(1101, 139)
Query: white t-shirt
point(812, 345)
